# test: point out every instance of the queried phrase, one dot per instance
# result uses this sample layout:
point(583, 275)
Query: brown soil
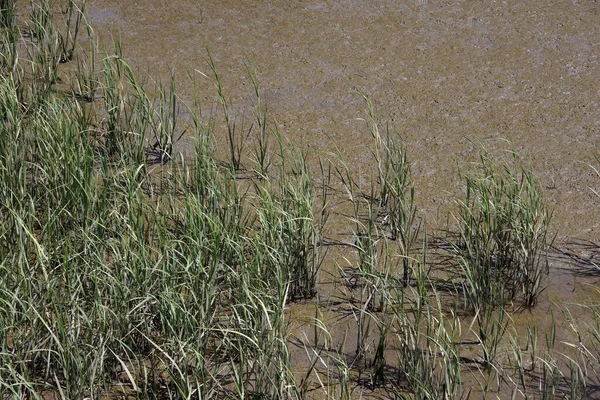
point(448, 75)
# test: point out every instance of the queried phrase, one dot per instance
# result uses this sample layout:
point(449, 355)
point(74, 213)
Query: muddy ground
point(448, 75)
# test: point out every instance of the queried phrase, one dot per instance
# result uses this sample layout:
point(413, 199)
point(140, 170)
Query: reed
point(7, 14)
point(262, 149)
point(73, 17)
point(503, 234)
point(85, 84)
point(235, 140)
point(419, 334)
point(164, 127)
point(396, 193)
point(287, 228)
point(122, 278)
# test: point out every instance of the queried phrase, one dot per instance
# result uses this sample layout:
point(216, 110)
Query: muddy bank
point(447, 75)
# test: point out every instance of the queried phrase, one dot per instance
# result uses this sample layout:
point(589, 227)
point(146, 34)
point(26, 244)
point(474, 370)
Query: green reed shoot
point(164, 123)
point(73, 15)
point(43, 50)
point(287, 226)
point(396, 191)
point(7, 14)
point(503, 228)
point(235, 141)
point(86, 82)
point(262, 149)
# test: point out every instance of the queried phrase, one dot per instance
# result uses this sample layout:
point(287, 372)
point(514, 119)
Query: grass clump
point(288, 234)
point(503, 234)
point(117, 280)
point(396, 195)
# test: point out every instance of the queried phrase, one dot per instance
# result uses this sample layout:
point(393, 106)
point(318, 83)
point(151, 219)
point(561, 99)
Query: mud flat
point(447, 75)
point(451, 77)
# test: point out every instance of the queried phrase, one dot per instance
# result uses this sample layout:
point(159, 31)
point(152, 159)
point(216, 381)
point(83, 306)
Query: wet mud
point(450, 76)
point(446, 75)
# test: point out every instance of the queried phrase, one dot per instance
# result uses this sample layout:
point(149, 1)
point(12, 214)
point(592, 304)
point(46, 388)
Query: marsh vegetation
point(130, 271)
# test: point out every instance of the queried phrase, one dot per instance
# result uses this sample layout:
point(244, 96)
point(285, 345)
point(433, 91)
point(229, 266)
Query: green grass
point(127, 269)
point(503, 234)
